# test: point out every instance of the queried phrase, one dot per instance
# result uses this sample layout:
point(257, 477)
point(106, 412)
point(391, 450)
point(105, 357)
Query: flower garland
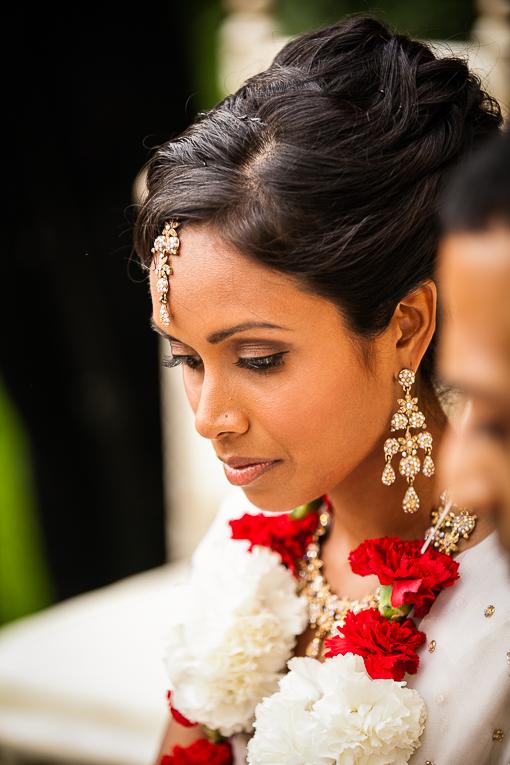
point(234, 627)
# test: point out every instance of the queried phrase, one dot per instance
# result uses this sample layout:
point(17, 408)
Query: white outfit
point(465, 681)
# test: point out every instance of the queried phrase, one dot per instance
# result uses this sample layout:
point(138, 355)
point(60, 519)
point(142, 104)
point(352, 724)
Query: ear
point(414, 323)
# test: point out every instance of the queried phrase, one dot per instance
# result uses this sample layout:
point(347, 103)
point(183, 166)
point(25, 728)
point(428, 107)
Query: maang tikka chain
point(166, 244)
point(408, 418)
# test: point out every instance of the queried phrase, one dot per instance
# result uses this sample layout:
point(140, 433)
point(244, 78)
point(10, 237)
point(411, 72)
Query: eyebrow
point(222, 334)
point(468, 391)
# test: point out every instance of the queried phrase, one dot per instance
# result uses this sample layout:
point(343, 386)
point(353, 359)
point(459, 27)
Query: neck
point(363, 510)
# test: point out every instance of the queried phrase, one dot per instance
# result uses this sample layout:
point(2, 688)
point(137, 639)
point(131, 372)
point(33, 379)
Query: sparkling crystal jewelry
point(458, 523)
point(408, 417)
point(166, 244)
point(326, 611)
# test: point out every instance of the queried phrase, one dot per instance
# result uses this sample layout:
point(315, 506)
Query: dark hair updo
point(328, 165)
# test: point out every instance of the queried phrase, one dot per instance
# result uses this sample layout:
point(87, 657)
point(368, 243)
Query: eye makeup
point(254, 363)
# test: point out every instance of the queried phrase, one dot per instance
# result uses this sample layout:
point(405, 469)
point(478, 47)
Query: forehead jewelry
point(166, 244)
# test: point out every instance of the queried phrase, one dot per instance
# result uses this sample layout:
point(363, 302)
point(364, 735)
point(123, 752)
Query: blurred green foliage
point(428, 19)
point(203, 54)
point(24, 581)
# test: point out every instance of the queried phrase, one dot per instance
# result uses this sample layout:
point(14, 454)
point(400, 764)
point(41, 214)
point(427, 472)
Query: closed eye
point(262, 363)
point(174, 361)
point(494, 430)
point(255, 363)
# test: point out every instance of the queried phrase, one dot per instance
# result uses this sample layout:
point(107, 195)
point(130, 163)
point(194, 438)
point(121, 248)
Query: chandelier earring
point(408, 418)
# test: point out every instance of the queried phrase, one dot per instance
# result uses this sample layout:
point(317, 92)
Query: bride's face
point(272, 374)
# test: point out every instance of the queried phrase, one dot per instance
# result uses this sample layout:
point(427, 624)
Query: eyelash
point(262, 364)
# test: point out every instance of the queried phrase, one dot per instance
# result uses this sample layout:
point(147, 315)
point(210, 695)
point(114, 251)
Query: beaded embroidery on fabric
point(458, 524)
point(327, 611)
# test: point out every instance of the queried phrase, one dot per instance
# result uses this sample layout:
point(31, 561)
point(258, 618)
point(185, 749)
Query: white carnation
point(232, 629)
point(333, 713)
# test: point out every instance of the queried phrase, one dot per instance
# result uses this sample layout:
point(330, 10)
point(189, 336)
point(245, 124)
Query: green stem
point(385, 607)
point(301, 511)
point(214, 736)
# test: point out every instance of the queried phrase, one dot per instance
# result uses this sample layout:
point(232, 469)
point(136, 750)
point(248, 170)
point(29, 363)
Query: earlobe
point(415, 320)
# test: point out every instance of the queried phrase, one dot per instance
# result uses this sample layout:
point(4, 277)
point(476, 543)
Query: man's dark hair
point(479, 192)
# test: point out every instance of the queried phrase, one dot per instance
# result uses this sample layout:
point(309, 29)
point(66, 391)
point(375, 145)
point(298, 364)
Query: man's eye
point(493, 429)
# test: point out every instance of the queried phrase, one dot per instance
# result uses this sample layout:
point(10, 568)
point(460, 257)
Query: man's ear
point(414, 323)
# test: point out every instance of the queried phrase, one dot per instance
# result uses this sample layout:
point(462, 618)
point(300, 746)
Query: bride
point(291, 236)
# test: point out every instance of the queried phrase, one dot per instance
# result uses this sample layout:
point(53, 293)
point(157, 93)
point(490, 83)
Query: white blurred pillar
point(491, 33)
point(194, 479)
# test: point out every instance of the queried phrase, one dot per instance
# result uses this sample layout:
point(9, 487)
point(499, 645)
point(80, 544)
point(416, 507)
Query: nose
point(217, 410)
point(463, 465)
point(453, 460)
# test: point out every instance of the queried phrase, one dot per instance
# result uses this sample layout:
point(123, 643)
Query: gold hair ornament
point(166, 244)
point(408, 417)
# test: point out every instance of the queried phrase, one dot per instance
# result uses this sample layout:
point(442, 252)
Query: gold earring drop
point(407, 418)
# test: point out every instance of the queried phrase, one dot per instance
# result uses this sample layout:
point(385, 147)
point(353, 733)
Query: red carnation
point(417, 578)
point(283, 534)
point(388, 648)
point(177, 715)
point(201, 752)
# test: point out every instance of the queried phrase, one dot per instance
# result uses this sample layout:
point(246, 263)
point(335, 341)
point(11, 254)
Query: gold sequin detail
point(498, 734)
point(489, 611)
point(432, 646)
point(429, 762)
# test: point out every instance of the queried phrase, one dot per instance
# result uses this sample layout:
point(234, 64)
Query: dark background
point(91, 91)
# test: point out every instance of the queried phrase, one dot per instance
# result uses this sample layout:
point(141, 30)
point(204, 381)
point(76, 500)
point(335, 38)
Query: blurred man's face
point(475, 356)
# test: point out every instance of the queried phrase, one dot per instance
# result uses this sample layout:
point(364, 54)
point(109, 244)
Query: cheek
point(474, 470)
point(330, 420)
point(192, 386)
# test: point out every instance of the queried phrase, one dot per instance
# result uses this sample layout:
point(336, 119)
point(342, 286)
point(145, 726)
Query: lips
point(241, 471)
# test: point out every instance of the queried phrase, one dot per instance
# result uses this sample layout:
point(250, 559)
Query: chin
point(278, 501)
